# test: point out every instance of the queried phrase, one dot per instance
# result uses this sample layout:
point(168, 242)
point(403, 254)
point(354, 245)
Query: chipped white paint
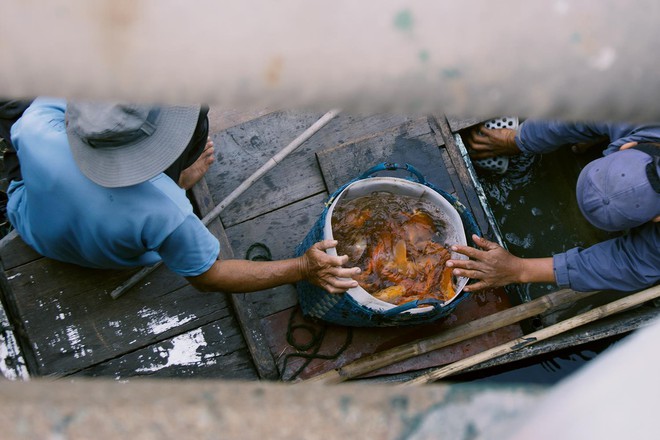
point(159, 322)
point(12, 364)
point(117, 326)
point(14, 276)
point(184, 351)
point(60, 317)
point(604, 59)
point(73, 336)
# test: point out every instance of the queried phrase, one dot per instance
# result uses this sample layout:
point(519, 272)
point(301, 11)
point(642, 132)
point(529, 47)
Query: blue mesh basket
point(343, 309)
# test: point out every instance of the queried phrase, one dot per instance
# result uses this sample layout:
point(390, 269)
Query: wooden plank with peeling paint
point(412, 143)
point(70, 322)
point(246, 315)
point(243, 149)
point(281, 231)
point(14, 251)
point(209, 351)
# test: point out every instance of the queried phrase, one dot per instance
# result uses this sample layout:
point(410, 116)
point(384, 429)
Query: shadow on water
point(541, 370)
point(535, 206)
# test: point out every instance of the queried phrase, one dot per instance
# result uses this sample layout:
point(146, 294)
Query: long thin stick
point(132, 281)
point(452, 336)
point(517, 344)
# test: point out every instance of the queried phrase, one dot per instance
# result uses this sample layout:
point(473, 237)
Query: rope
point(314, 344)
point(267, 256)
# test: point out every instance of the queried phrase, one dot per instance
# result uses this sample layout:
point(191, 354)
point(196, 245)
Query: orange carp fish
point(397, 242)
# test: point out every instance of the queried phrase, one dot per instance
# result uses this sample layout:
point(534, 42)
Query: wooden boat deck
point(66, 323)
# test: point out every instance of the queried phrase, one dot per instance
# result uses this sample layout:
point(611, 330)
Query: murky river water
point(535, 206)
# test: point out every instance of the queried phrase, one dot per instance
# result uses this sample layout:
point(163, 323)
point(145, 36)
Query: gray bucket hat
point(118, 145)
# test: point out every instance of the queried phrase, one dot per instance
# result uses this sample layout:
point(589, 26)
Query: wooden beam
point(247, 317)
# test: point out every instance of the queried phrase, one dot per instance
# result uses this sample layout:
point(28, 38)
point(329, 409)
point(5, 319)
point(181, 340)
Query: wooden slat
point(413, 143)
point(613, 326)
point(445, 134)
point(366, 341)
point(242, 149)
point(281, 231)
point(459, 123)
point(70, 322)
point(209, 351)
point(247, 317)
point(14, 251)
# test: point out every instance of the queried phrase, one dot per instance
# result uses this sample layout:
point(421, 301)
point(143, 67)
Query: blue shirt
point(65, 216)
point(627, 263)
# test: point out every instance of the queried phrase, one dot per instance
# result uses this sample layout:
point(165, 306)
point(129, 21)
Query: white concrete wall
point(571, 59)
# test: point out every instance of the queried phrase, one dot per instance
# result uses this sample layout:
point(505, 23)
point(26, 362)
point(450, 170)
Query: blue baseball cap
point(619, 191)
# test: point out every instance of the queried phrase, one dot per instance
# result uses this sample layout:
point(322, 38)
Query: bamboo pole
point(452, 336)
point(561, 327)
point(208, 218)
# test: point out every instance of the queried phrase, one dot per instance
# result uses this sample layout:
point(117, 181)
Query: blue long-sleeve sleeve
point(538, 137)
point(626, 263)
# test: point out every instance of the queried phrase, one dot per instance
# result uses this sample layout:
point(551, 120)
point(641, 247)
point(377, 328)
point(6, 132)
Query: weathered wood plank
point(14, 251)
point(70, 322)
point(247, 317)
point(458, 123)
point(243, 149)
point(471, 201)
point(215, 350)
point(366, 341)
point(281, 231)
point(609, 327)
point(413, 143)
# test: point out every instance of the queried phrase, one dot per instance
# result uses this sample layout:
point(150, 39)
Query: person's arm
point(535, 137)
point(627, 263)
point(315, 266)
point(539, 136)
point(493, 266)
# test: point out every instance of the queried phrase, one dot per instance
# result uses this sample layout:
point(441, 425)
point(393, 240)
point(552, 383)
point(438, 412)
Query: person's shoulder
point(46, 113)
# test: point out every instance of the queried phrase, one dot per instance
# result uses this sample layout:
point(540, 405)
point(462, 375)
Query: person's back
point(64, 215)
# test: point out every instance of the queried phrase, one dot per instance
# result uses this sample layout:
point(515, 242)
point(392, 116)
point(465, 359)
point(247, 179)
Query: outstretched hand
point(325, 270)
point(493, 265)
point(484, 142)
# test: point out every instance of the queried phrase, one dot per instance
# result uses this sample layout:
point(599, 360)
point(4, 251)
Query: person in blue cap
point(102, 185)
point(618, 192)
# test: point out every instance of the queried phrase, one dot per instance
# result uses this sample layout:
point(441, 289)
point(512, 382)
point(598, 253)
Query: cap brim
point(137, 163)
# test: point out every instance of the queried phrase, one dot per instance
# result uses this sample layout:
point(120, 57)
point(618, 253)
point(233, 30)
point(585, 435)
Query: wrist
point(511, 141)
point(536, 270)
point(302, 268)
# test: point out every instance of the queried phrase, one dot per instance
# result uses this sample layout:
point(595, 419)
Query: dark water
point(541, 370)
point(535, 206)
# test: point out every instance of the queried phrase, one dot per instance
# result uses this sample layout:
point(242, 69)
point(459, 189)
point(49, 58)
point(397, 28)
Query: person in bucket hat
point(102, 185)
point(618, 192)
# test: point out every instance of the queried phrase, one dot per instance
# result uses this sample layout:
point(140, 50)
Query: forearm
point(538, 137)
point(627, 263)
point(234, 276)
